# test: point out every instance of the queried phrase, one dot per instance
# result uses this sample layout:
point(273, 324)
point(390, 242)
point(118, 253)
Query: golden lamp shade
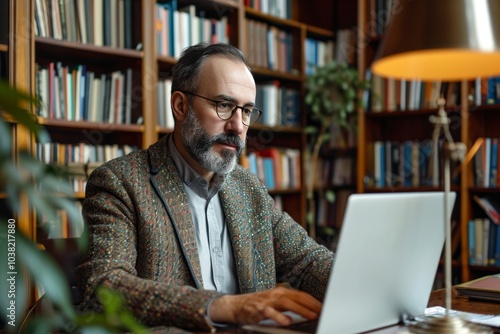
point(447, 40)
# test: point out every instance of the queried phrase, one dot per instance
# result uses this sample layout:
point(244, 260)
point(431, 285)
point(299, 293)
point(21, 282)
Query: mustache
point(228, 139)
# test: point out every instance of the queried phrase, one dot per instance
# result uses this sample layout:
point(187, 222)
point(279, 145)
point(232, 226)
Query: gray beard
point(199, 145)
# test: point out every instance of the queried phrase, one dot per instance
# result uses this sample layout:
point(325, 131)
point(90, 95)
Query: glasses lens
point(225, 110)
point(250, 115)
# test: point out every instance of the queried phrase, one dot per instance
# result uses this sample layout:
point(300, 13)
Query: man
point(190, 238)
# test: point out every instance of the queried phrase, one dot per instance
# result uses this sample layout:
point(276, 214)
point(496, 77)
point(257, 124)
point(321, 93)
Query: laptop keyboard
point(305, 326)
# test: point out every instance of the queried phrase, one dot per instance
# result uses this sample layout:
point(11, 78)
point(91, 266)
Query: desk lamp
point(449, 40)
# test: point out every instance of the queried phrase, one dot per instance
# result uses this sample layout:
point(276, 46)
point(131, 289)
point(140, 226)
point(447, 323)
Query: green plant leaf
point(17, 104)
point(330, 196)
point(328, 231)
point(5, 139)
point(46, 273)
point(40, 325)
point(310, 129)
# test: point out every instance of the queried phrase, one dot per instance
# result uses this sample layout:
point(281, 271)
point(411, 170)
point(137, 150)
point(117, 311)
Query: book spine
point(472, 242)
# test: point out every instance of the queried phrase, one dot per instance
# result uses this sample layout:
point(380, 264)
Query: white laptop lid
point(386, 260)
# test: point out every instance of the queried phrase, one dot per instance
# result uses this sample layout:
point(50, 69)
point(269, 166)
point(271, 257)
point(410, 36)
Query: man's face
point(199, 143)
point(214, 143)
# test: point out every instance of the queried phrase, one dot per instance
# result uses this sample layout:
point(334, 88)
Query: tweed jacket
point(142, 240)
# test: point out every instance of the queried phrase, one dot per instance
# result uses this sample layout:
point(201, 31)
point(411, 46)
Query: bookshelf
point(472, 118)
point(4, 73)
point(68, 56)
point(275, 76)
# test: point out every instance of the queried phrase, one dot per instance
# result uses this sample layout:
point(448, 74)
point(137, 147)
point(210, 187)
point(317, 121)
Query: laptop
point(385, 264)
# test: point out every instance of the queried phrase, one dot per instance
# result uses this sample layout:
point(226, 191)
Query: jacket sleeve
point(111, 219)
point(300, 261)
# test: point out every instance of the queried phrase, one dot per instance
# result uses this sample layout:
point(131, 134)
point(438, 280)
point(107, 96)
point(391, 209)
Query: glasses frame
point(236, 107)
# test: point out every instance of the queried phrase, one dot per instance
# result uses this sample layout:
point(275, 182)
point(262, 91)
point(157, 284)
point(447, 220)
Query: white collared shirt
point(212, 236)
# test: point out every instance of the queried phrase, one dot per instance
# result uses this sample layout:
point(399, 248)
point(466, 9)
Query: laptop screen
point(386, 260)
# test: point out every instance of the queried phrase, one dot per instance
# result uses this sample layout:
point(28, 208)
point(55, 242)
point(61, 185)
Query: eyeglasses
point(226, 109)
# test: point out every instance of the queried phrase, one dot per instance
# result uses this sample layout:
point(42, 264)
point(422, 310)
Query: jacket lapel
point(239, 230)
point(170, 189)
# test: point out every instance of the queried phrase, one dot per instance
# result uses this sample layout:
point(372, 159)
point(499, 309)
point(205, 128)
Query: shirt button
point(215, 249)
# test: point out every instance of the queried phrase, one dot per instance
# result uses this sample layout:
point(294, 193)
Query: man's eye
point(247, 111)
point(226, 105)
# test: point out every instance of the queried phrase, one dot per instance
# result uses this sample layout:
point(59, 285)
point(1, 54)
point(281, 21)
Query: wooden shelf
point(261, 73)
point(83, 125)
point(319, 32)
point(408, 113)
point(276, 21)
point(336, 187)
point(287, 191)
point(4, 48)
point(211, 7)
point(87, 53)
point(493, 190)
point(495, 269)
point(407, 189)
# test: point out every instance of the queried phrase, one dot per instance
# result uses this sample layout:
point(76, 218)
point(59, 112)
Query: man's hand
point(251, 308)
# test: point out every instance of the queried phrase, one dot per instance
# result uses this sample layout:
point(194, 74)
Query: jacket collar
point(168, 184)
point(170, 189)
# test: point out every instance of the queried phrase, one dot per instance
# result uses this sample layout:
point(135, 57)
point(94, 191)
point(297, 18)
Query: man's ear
point(179, 102)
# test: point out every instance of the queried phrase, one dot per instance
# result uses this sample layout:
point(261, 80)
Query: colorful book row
point(176, 29)
point(80, 159)
point(404, 95)
point(277, 8)
point(280, 106)
point(97, 22)
point(486, 91)
point(401, 95)
point(334, 172)
point(484, 242)
point(82, 153)
point(319, 52)
point(61, 226)
point(408, 163)
point(75, 93)
point(270, 47)
point(486, 161)
point(277, 168)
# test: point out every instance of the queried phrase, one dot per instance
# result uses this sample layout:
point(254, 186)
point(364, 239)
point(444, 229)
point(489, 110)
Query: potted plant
point(50, 193)
point(333, 97)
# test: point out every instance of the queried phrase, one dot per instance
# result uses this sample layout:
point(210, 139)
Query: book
point(490, 207)
point(472, 241)
point(493, 163)
point(484, 288)
point(107, 23)
point(98, 18)
point(127, 23)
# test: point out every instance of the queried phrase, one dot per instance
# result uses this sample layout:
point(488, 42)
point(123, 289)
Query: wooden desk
point(437, 298)
point(459, 303)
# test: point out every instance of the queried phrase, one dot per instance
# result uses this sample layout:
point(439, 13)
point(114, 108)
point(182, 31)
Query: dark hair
point(185, 71)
